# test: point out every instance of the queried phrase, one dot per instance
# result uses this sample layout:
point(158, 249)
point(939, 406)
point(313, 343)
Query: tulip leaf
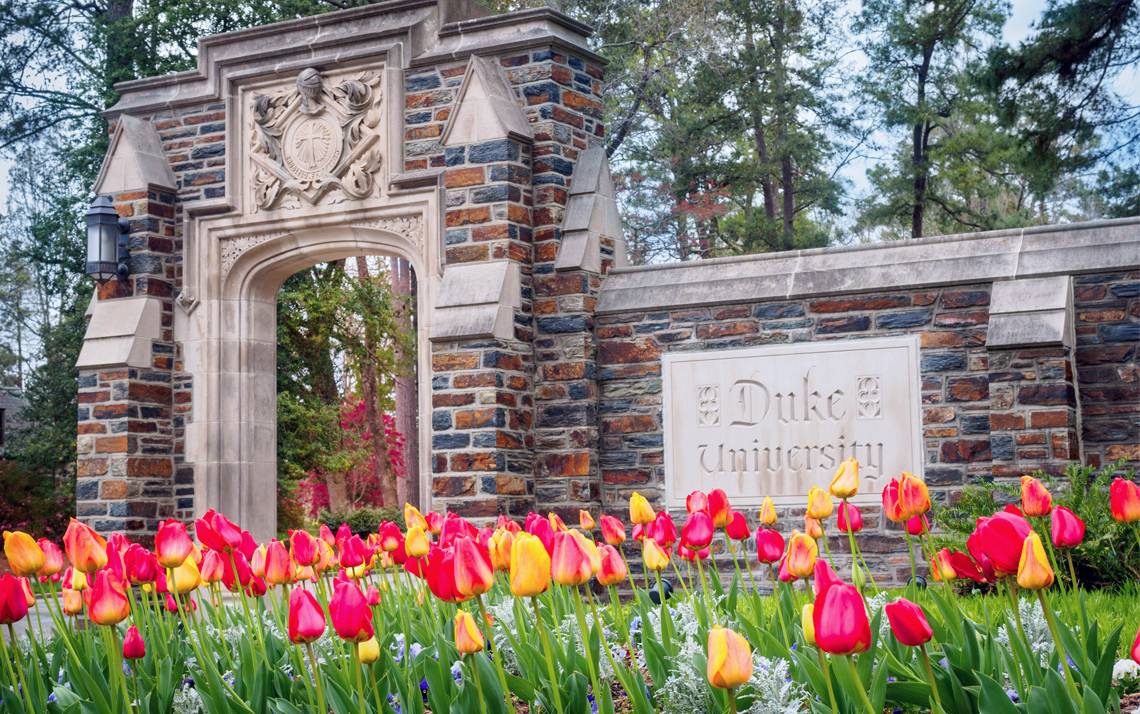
point(283, 706)
point(1091, 704)
point(913, 693)
point(521, 688)
point(878, 689)
point(992, 698)
point(1101, 680)
point(1061, 702)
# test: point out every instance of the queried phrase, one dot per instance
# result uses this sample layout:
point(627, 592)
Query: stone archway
point(230, 352)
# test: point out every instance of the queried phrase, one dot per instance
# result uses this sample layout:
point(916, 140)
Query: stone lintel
point(120, 332)
point(1031, 312)
point(591, 213)
point(477, 300)
point(949, 260)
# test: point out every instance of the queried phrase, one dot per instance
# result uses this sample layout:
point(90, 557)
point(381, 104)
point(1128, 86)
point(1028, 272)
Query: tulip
point(697, 501)
point(441, 575)
point(807, 623)
point(845, 482)
point(236, 572)
point(891, 508)
point(306, 619)
point(654, 557)
point(218, 532)
point(941, 566)
point(1033, 569)
point(278, 564)
point(769, 545)
point(802, 554)
point(586, 521)
point(767, 512)
point(368, 651)
point(530, 566)
point(212, 567)
point(719, 509)
point(303, 548)
point(782, 572)
point(389, 536)
point(613, 530)
point(613, 569)
point(697, 532)
point(556, 522)
point(434, 522)
point(737, 528)
point(729, 659)
point(353, 552)
point(540, 528)
point(640, 511)
point(133, 645)
point(172, 545)
point(820, 504)
point(468, 637)
point(75, 579)
point(107, 603)
point(823, 577)
point(1135, 651)
point(663, 530)
point(86, 549)
point(326, 535)
point(350, 614)
point(965, 567)
point(850, 519)
point(908, 622)
point(813, 527)
point(1124, 500)
point(499, 548)
point(569, 564)
point(693, 555)
point(13, 604)
point(416, 543)
point(1067, 530)
point(918, 525)
point(1036, 501)
point(185, 578)
point(72, 602)
point(473, 572)
point(840, 620)
point(53, 558)
point(25, 556)
point(999, 538)
point(914, 498)
point(590, 548)
point(413, 518)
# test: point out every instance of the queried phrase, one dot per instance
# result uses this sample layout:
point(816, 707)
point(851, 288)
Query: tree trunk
point(789, 210)
point(369, 382)
point(408, 488)
point(919, 145)
point(758, 137)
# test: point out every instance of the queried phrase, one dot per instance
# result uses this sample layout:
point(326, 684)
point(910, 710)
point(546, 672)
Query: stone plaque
point(775, 421)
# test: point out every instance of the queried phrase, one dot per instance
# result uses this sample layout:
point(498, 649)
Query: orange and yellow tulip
point(86, 549)
point(278, 564)
point(729, 659)
point(530, 566)
point(468, 636)
point(819, 504)
point(499, 547)
point(654, 557)
point(640, 512)
point(613, 569)
point(767, 512)
point(1033, 570)
point(107, 603)
point(586, 521)
point(845, 482)
point(25, 556)
point(802, 554)
point(1036, 501)
point(1124, 500)
point(914, 498)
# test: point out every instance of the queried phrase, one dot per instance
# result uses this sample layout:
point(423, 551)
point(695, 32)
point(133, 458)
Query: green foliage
point(1109, 556)
point(363, 521)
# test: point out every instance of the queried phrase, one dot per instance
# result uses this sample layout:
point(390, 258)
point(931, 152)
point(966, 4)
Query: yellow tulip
point(25, 557)
point(730, 659)
point(654, 556)
point(416, 544)
point(499, 547)
point(802, 553)
point(1033, 570)
point(808, 623)
point(820, 504)
point(185, 578)
point(368, 651)
point(639, 509)
point(845, 483)
point(530, 566)
point(468, 637)
point(768, 512)
point(413, 518)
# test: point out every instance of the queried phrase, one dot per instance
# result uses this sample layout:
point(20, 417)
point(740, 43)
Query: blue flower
point(394, 704)
point(1013, 695)
point(457, 672)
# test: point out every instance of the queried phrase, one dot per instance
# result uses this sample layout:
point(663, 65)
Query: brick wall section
point(1107, 313)
point(126, 436)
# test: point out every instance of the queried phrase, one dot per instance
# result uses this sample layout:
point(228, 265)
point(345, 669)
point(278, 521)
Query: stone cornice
point(957, 259)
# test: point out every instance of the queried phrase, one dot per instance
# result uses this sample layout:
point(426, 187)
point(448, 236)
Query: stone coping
point(942, 260)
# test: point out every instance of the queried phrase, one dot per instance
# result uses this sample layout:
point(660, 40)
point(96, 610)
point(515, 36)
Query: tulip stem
point(1049, 620)
point(827, 678)
point(375, 690)
point(666, 621)
point(910, 553)
point(474, 669)
point(605, 646)
point(826, 547)
point(321, 708)
point(1072, 570)
point(731, 700)
point(495, 656)
point(933, 682)
point(859, 685)
point(14, 648)
point(549, 655)
point(356, 665)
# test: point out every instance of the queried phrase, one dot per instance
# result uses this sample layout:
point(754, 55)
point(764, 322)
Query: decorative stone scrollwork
point(410, 227)
point(869, 397)
point(316, 141)
point(234, 248)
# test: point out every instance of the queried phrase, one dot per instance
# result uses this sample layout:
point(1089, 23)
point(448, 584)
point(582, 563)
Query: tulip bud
point(613, 530)
point(654, 557)
point(918, 525)
point(845, 482)
point(107, 603)
point(802, 553)
point(891, 508)
point(850, 518)
point(819, 504)
point(185, 578)
point(914, 498)
point(808, 625)
point(1124, 500)
point(697, 532)
point(729, 659)
point(1067, 530)
point(908, 622)
point(1033, 570)
point(613, 569)
point(737, 528)
point(133, 645)
point(840, 619)
point(530, 566)
point(413, 518)
point(172, 545)
point(468, 636)
point(719, 509)
point(350, 614)
point(86, 549)
point(767, 512)
point(640, 511)
point(416, 544)
point(769, 545)
point(813, 527)
point(306, 619)
point(368, 651)
point(25, 557)
point(586, 521)
point(499, 548)
point(13, 604)
point(1036, 501)
point(697, 501)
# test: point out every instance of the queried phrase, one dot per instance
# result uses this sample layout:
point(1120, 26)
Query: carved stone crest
point(316, 141)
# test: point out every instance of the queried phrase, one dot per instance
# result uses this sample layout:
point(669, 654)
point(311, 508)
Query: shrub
point(363, 521)
point(1109, 556)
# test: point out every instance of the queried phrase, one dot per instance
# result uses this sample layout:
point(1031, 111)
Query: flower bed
point(448, 617)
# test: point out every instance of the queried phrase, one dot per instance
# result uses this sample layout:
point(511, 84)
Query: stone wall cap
point(1029, 294)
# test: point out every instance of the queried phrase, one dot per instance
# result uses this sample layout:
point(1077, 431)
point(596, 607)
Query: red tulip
point(540, 528)
point(569, 563)
point(53, 558)
point(613, 569)
point(13, 604)
point(965, 567)
point(613, 530)
point(218, 532)
point(782, 573)
point(86, 549)
point(769, 545)
point(326, 535)
point(172, 545)
point(306, 619)
point(1000, 537)
point(390, 537)
point(840, 619)
point(918, 525)
point(140, 564)
point(1036, 501)
point(278, 564)
point(373, 596)
point(453, 527)
point(434, 522)
point(891, 509)
point(697, 501)
point(697, 532)
point(507, 523)
point(908, 622)
point(850, 518)
point(823, 577)
point(663, 530)
point(693, 555)
point(133, 645)
point(353, 553)
point(473, 572)
point(1068, 530)
point(236, 572)
point(107, 602)
point(719, 508)
point(351, 616)
point(303, 548)
point(737, 528)
point(441, 574)
point(1012, 509)
point(1124, 500)
point(212, 569)
point(1135, 651)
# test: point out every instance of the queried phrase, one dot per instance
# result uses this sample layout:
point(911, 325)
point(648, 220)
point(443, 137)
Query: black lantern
point(107, 236)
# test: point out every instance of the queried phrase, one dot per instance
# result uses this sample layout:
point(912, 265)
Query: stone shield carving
point(317, 142)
